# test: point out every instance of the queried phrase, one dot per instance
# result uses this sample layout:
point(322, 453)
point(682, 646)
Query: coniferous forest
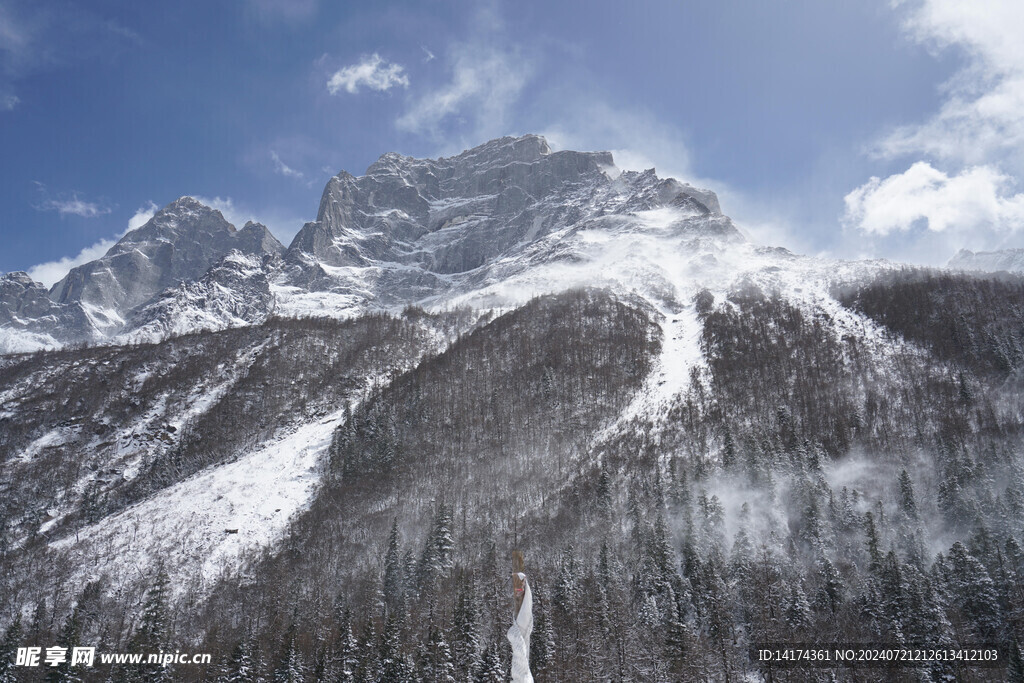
point(835, 474)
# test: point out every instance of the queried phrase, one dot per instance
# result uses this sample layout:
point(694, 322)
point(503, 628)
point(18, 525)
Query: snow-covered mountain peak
point(1010, 260)
point(409, 230)
point(415, 229)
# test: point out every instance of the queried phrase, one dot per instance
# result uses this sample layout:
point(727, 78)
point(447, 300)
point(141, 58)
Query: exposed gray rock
point(410, 228)
point(179, 244)
point(233, 293)
point(29, 318)
point(1009, 260)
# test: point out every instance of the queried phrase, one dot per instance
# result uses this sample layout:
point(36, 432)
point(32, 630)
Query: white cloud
point(226, 205)
point(981, 118)
point(52, 272)
point(373, 72)
point(74, 207)
point(8, 102)
point(960, 192)
point(485, 81)
point(924, 197)
point(283, 168)
point(142, 215)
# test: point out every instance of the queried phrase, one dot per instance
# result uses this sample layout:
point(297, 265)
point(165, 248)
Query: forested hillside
point(810, 486)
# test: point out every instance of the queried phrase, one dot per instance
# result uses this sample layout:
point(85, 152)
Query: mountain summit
point(413, 230)
point(510, 215)
point(93, 302)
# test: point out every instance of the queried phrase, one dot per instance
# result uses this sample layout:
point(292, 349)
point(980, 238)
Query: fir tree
point(493, 669)
point(437, 552)
point(8, 648)
point(907, 500)
point(393, 579)
point(466, 638)
point(240, 668)
point(290, 667)
point(393, 666)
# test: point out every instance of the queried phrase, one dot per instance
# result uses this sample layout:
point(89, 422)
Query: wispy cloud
point(486, 76)
point(283, 168)
point(37, 37)
point(372, 72)
point(142, 216)
point(52, 272)
point(966, 159)
point(75, 207)
point(484, 83)
point(982, 116)
point(70, 204)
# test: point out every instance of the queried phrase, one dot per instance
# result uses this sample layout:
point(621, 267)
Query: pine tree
point(369, 670)
point(830, 587)
point(466, 632)
point(70, 638)
point(393, 666)
point(908, 503)
point(974, 591)
point(892, 595)
point(872, 542)
point(678, 640)
point(798, 609)
point(347, 649)
point(437, 666)
point(728, 451)
point(394, 580)
point(240, 668)
point(290, 667)
point(603, 499)
point(493, 670)
point(437, 552)
point(542, 641)
point(152, 635)
point(8, 648)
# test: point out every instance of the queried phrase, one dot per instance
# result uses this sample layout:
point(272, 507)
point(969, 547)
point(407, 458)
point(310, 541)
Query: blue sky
point(855, 129)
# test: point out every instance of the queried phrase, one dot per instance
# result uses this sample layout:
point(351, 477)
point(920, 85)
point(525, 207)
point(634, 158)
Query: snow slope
point(200, 527)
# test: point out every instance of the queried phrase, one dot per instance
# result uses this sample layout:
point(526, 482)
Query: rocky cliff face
point(29, 319)
point(233, 293)
point(409, 231)
point(415, 228)
point(179, 244)
point(131, 284)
